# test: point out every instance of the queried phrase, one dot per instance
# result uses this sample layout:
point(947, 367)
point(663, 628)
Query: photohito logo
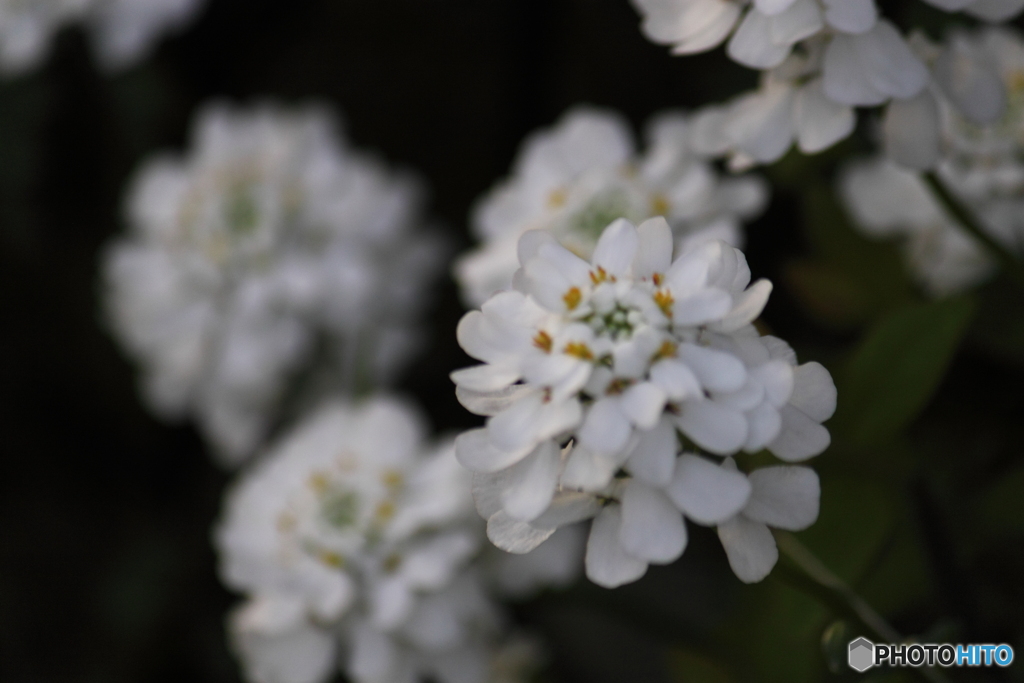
point(863, 654)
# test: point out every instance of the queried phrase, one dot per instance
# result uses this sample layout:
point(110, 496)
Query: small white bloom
point(619, 356)
point(987, 10)
point(123, 31)
point(267, 236)
point(353, 543)
point(885, 200)
point(576, 178)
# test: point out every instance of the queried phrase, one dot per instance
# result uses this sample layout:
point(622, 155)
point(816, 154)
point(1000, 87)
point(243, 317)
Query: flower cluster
point(269, 245)
point(603, 379)
point(821, 59)
point(575, 178)
point(353, 544)
point(123, 31)
point(967, 128)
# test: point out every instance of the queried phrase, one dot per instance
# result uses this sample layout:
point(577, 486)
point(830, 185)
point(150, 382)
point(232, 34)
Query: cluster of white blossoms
point(123, 31)
point(575, 178)
point(353, 542)
point(821, 59)
point(269, 246)
point(603, 380)
point(969, 128)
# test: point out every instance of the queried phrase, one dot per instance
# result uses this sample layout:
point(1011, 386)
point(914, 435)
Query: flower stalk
point(807, 572)
point(966, 220)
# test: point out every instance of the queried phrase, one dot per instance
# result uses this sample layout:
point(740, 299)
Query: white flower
point(765, 30)
point(123, 30)
point(620, 355)
point(267, 238)
point(352, 542)
point(885, 200)
point(574, 179)
point(783, 497)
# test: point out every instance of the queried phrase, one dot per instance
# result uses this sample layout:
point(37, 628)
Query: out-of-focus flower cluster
point(269, 249)
point(603, 382)
point(820, 58)
point(353, 541)
point(969, 128)
point(575, 178)
point(122, 31)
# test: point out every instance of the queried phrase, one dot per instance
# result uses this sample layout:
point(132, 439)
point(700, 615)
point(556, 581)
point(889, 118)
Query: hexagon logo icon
point(861, 655)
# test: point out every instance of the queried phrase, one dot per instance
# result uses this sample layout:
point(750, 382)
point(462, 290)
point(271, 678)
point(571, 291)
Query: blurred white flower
point(621, 355)
point(885, 200)
point(353, 543)
point(574, 179)
point(123, 31)
point(267, 242)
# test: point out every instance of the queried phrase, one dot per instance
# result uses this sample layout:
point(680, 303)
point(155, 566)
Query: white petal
point(713, 427)
point(605, 428)
point(771, 7)
point(747, 397)
point(653, 460)
point(474, 451)
point(851, 16)
point(487, 377)
point(616, 247)
point(643, 404)
point(776, 376)
point(530, 243)
point(530, 420)
point(888, 62)
point(972, 84)
point(911, 130)
point(784, 496)
point(820, 122)
point(654, 254)
point(652, 527)
point(763, 426)
point(801, 20)
point(513, 535)
point(814, 392)
point(707, 493)
point(489, 402)
point(607, 562)
point(703, 306)
point(531, 482)
point(801, 437)
point(844, 79)
point(390, 603)
point(302, 654)
point(750, 548)
point(721, 23)
point(717, 370)
point(568, 507)
point(751, 44)
point(589, 470)
point(676, 379)
point(761, 123)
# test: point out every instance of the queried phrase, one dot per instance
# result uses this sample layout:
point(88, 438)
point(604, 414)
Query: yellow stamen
point(572, 298)
point(660, 205)
point(618, 386)
point(667, 350)
point(578, 349)
point(392, 479)
point(319, 482)
point(557, 198)
point(664, 300)
point(332, 559)
point(385, 511)
point(543, 341)
point(599, 276)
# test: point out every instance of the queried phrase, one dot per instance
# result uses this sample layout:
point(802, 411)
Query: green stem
point(967, 221)
point(811, 574)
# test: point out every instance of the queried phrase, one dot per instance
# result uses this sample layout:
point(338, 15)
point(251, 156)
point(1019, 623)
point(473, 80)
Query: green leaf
point(898, 366)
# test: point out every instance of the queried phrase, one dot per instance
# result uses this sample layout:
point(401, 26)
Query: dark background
point(106, 568)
